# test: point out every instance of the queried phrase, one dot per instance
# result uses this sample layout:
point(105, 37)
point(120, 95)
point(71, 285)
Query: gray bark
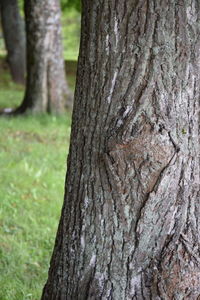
point(14, 36)
point(46, 86)
point(130, 222)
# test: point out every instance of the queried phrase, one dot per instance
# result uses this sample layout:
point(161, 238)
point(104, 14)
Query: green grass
point(33, 152)
point(32, 163)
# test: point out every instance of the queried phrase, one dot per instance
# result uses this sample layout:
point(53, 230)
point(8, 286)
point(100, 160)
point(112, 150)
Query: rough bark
point(129, 227)
point(46, 86)
point(14, 36)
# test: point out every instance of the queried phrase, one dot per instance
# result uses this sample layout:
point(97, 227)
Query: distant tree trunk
point(131, 216)
point(46, 86)
point(14, 36)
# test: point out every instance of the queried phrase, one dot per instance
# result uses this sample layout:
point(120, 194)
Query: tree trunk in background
point(131, 216)
point(14, 36)
point(46, 86)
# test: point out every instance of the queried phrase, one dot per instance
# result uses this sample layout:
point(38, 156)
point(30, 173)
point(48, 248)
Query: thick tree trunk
point(131, 217)
point(14, 36)
point(46, 86)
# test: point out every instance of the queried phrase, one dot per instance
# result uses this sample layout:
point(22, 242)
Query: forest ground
point(33, 153)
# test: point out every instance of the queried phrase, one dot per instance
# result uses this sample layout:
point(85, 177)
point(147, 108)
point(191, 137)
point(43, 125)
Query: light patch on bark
point(100, 277)
point(116, 33)
point(135, 282)
point(107, 44)
point(119, 123)
point(83, 238)
point(126, 112)
point(86, 201)
point(112, 86)
point(172, 221)
point(92, 260)
point(128, 109)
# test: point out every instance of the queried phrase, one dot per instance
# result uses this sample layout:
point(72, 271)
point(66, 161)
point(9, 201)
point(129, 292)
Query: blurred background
point(33, 154)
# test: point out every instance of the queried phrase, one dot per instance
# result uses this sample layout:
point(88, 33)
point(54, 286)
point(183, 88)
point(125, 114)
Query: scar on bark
point(149, 152)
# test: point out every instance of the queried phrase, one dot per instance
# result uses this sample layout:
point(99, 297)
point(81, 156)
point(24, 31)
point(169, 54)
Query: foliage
point(33, 165)
point(21, 6)
point(71, 3)
point(71, 20)
point(65, 4)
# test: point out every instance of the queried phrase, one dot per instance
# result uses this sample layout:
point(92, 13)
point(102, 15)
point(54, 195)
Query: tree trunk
point(131, 216)
point(14, 36)
point(46, 86)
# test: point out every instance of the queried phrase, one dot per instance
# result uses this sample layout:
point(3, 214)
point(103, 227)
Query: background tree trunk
point(46, 86)
point(130, 221)
point(14, 36)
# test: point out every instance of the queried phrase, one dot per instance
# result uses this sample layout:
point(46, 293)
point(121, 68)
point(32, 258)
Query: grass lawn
point(33, 152)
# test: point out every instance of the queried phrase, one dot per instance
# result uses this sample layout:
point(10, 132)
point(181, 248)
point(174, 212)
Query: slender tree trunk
point(46, 86)
point(14, 36)
point(131, 216)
